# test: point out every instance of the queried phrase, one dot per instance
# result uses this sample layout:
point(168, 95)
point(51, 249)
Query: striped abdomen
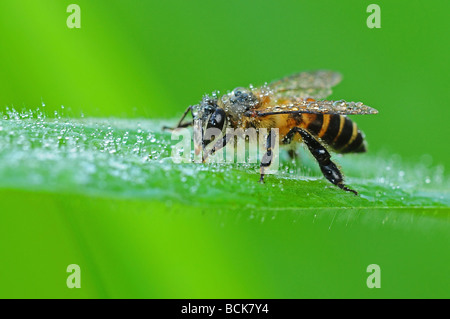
point(338, 131)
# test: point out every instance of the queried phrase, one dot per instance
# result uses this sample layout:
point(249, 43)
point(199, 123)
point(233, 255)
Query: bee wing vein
point(315, 84)
point(322, 107)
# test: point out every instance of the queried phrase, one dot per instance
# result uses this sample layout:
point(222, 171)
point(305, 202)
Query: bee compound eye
point(217, 119)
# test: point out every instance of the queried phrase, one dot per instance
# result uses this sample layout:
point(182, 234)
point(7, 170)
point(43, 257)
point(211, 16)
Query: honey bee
point(295, 106)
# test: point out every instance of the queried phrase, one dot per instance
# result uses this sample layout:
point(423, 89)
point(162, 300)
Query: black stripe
point(333, 128)
point(315, 126)
point(361, 149)
point(346, 134)
point(356, 146)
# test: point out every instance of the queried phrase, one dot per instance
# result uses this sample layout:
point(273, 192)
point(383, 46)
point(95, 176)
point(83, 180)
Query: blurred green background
point(150, 59)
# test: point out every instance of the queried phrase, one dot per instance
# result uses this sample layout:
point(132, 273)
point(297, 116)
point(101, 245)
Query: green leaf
point(105, 194)
point(131, 158)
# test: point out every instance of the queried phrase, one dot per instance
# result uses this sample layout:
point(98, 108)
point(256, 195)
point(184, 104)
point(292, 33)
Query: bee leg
point(181, 125)
point(293, 155)
point(180, 122)
point(267, 157)
point(219, 145)
point(328, 168)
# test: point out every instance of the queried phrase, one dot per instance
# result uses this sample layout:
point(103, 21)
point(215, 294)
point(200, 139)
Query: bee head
point(213, 119)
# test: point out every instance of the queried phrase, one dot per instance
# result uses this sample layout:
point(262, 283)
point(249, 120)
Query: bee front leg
point(219, 145)
point(328, 168)
point(267, 157)
point(180, 122)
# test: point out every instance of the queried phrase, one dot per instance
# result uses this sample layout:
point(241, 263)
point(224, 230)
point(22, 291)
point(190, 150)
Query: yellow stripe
point(326, 122)
point(341, 125)
point(354, 135)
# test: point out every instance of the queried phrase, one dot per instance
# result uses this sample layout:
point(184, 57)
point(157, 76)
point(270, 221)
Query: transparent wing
point(314, 84)
point(310, 106)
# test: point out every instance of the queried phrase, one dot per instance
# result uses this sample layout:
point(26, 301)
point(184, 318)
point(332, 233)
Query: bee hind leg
point(328, 168)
